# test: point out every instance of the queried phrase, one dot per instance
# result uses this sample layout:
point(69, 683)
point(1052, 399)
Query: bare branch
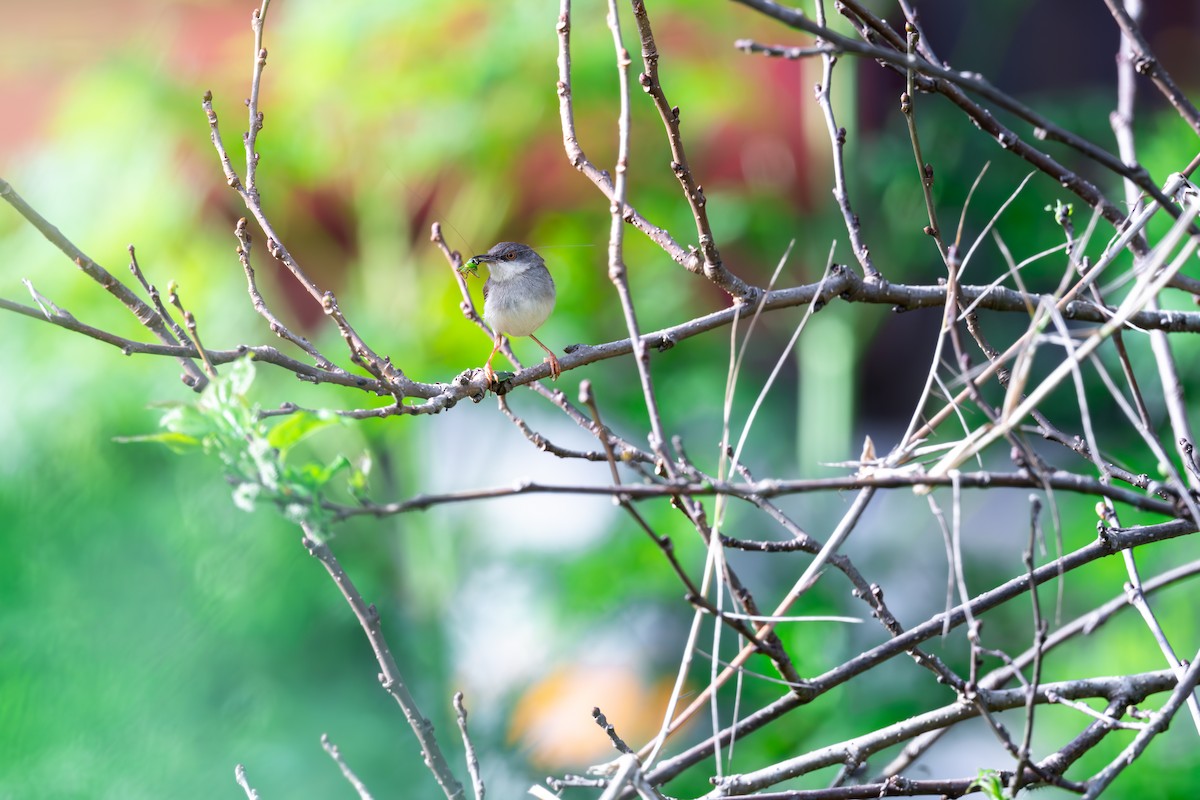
point(390, 677)
point(193, 376)
point(347, 773)
point(691, 258)
point(1134, 690)
point(239, 773)
point(460, 712)
point(1158, 723)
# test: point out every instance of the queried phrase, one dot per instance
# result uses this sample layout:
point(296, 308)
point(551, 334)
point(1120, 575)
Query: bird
point(518, 297)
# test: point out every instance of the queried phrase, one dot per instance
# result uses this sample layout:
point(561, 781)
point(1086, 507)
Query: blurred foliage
point(224, 422)
point(152, 635)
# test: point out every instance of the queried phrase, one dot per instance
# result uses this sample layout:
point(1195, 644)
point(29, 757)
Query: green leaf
point(317, 476)
point(178, 442)
point(299, 426)
point(224, 422)
point(187, 420)
point(356, 481)
point(988, 781)
point(338, 464)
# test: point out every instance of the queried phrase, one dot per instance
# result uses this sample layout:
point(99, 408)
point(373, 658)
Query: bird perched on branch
point(518, 296)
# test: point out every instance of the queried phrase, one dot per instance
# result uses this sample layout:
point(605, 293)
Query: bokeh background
point(152, 636)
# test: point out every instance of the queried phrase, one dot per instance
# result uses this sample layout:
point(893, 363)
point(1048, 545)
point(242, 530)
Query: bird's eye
point(509, 256)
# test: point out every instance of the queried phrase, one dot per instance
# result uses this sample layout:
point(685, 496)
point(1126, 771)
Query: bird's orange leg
point(487, 368)
point(555, 369)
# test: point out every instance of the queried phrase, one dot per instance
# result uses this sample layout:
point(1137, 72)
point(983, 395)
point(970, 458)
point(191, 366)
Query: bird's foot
point(498, 382)
point(555, 369)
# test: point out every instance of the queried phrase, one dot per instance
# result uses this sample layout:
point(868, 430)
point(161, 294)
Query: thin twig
point(924, 168)
point(1110, 542)
point(1144, 685)
point(156, 298)
point(693, 192)
point(610, 731)
point(1082, 625)
point(690, 259)
point(360, 352)
point(193, 375)
point(1145, 63)
point(239, 774)
point(347, 773)
point(460, 712)
point(390, 677)
point(947, 82)
point(837, 141)
point(260, 305)
point(1039, 644)
point(1184, 690)
point(617, 272)
point(1059, 480)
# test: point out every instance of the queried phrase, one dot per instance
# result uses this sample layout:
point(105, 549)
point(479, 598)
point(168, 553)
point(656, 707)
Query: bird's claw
point(497, 380)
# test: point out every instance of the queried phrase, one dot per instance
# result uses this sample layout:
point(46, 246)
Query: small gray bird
point(518, 297)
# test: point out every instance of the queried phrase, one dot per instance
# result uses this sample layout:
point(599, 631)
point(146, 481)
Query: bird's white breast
point(516, 318)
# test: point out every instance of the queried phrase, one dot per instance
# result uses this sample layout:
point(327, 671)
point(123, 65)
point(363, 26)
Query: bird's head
point(506, 260)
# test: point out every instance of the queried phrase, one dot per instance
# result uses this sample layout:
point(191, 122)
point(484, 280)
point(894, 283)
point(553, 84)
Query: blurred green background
point(152, 636)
